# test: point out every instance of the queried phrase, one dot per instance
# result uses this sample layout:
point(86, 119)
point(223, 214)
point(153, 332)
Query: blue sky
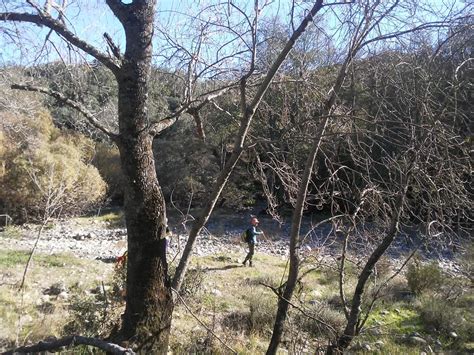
point(90, 19)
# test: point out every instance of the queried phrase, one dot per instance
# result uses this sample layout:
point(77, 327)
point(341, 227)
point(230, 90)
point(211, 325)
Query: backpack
point(245, 236)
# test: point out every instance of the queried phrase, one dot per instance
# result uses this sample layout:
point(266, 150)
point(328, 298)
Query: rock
point(375, 331)
point(63, 295)
point(26, 319)
point(216, 292)
point(379, 344)
point(79, 237)
point(384, 312)
point(366, 347)
point(415, 340)
point(453, 335)
point(55, 289)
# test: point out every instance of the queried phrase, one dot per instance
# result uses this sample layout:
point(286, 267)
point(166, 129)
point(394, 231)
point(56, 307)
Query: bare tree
point(369, 23)
point(149, 301)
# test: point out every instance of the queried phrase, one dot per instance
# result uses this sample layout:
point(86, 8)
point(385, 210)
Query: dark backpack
point(246, 236)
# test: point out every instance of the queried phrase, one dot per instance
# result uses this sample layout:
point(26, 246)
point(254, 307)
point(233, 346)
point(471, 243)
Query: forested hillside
point(349, 124)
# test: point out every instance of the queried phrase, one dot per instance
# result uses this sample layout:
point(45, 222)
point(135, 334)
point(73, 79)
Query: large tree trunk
point(149, 304)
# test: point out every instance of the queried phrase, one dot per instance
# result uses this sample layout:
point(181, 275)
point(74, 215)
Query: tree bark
point(149, 304)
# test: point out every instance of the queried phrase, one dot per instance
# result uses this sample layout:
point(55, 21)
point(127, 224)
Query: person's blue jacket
point(253, 234)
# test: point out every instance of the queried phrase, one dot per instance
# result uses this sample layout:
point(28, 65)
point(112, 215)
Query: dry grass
point(231, 300)
point(29, 315)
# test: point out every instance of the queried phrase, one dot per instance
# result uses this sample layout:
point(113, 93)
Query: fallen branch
point(71, 341)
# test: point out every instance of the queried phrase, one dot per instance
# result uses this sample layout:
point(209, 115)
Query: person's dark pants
point(250, 253)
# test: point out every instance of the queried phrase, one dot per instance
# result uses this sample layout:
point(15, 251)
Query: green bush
point(192, 283)
point(325, 314)
point(424, 277)
point(262, 309)
point(47, 172)
point(443, 316)
point(107, 161)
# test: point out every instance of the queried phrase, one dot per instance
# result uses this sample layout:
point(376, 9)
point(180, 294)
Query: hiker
point(252, 233)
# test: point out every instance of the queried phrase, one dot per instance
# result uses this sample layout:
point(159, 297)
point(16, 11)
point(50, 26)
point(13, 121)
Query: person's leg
point(251, 252)
point(248, 255)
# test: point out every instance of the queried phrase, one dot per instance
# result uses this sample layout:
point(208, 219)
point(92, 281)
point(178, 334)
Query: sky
point(90, 19)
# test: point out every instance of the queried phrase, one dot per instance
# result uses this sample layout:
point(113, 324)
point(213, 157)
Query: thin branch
point(113, 47)
point(71, 103)
point(276, 292)
point(200, 322)
point(72, 340)
point(30, 257)
point(437, 24)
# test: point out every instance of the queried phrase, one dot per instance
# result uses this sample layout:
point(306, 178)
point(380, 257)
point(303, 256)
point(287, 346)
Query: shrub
point(257, 318)
point(47, 171)
point(424, 277)
point(193, 282)
point(107, 161)
point(261, 312)
point(440, 316)
point(92, 315)
point(324, 313)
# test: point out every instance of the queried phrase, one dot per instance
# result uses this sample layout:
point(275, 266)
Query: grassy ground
point(29, 315)
point(220, 296)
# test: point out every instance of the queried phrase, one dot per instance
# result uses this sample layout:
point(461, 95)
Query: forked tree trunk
point(285, 298)
point(353, 325)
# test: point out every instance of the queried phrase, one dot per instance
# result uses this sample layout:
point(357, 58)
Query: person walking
point(252, 233)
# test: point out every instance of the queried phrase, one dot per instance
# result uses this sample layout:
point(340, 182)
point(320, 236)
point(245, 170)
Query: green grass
point(400, 319)
point(38, 323)
point(11, 258)
point(11, 232)
point(113, 219)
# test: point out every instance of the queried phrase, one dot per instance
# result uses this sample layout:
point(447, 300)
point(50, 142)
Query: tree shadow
point(227, 267)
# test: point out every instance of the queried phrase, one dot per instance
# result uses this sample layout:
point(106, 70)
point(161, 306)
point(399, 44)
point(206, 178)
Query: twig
point(200, 322)
point(276, 291)
point(30, 257)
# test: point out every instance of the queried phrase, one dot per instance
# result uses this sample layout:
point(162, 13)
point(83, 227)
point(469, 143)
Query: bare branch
point(74, 104)
point(59, 27)
point(113, 47)
point(73, 340)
